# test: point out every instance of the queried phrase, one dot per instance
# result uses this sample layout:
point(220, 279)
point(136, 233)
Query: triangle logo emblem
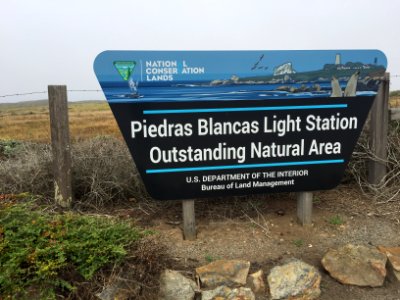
point(125, 68)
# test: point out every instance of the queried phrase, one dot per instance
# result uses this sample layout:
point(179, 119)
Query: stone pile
point(230, 280)
point(293, 279)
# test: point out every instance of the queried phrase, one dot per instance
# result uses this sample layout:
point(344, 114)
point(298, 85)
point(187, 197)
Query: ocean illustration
point(171, 76)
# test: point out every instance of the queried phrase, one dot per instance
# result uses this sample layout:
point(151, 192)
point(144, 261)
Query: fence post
point(378, 133)
point(189, 222)
point(304, 207)
point(58, 107)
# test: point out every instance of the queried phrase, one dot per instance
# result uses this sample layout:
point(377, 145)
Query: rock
point(283, 88)
point(235, 79)
point(287, 78)
point(393, 256)
point(108, 292)
point(256, 282)
point(316, 87)
point(175, 286)
point(223, 272)
point(221, 291)
point(241, 293)
point(356, 265)
point(294, 280)
point(119, 289)
point(225, 293)
point(216, 82)
point(286, 68)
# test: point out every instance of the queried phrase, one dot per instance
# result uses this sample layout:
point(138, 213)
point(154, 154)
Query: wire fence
point(43, 92)
point(89, 90)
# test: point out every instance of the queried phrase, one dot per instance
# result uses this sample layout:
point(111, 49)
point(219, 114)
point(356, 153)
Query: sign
point(217, 123)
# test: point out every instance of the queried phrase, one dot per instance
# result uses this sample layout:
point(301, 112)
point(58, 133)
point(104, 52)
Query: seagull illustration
point(258, 62)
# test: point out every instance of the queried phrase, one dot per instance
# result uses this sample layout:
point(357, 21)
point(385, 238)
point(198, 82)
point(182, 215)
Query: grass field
point(394, 101)
point(29, 121)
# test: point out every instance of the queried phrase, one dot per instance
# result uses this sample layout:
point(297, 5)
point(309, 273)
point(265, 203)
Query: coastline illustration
point(259, 76)
point(357, 76)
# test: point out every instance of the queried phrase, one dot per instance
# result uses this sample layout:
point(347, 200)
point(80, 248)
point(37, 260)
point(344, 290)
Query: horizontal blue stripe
point(246, 166)
point(122, 101)
point(238, 109)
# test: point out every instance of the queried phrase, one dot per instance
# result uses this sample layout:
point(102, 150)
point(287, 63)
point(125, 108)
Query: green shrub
point(395, 93)
point(8, 148)
point(38, 249)
point(336, 220)
point(298, 243)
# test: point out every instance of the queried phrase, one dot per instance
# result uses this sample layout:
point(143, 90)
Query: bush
point(103, 171)
point(26, 167)
point(38, 250)
point(8, 148)
point(395, 93)
point(388, 190)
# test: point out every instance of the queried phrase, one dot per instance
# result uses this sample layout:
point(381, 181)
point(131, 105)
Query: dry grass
point(394, 101)
point(30, 122)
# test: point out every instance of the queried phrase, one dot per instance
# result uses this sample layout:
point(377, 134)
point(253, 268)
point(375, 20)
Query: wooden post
point(58, 107)
point(304, 208)
point(378, 133)
point(189, 222)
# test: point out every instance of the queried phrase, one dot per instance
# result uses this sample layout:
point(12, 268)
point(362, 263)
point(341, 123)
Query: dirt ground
point(264, 230)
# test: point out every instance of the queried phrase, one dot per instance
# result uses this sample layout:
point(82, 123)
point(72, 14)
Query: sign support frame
point(304, 208)
point(189, 221)
point(60, 144)
point(379, 126)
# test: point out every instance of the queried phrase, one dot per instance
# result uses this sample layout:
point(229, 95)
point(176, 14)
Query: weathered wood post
point(58, 107)
point(189, 221)
point(378, 133)
point(304, 208)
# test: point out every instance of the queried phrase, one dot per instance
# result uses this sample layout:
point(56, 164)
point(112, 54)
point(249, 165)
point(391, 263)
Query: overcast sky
point(55, 42)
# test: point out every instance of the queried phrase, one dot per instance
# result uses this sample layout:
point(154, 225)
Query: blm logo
point(125, 68)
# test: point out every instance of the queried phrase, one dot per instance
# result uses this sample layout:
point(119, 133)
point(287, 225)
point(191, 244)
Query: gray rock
point(294, 280)
point(356, 265)
point(119, 289)
point(316, 87)
point(108, 292)
point(256, 282)
point(216, 82)
point(241, 293)
point(225, 293)
point(221, 291)
point(223, 272)
point(235, 79)
point(175, 286)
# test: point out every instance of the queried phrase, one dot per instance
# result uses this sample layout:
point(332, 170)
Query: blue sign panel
point(214, 123)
